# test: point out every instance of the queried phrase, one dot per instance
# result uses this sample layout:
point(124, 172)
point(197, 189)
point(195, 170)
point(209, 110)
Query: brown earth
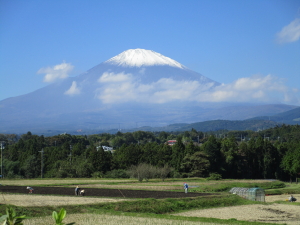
point(97, 192)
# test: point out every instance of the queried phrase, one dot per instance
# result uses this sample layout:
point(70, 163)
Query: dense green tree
point(230, 154)
point(191, 148)
point(178, 153)
point(149, 153)
point(212, 149)
point(291, 162)
point(164, 155)
point(126, 156)
point(195, 165)
point(31, 168)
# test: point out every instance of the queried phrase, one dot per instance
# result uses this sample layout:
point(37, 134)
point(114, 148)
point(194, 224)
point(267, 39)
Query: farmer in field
point(185, 187)
point(292, 199)
point(82, 192)
point(30, 190)
point(77, 190)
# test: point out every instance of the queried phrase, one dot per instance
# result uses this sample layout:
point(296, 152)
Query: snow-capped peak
point(141, 57)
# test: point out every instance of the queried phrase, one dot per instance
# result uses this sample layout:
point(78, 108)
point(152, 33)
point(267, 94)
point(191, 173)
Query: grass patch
point(226, 186)
point(153, 206)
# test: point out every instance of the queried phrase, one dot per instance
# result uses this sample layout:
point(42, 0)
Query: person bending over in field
point(77, 190)
point(82, 192)
point(292, 199)
point(30, 190)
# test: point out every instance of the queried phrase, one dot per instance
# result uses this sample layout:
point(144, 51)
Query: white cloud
point(122, 87)
point(73, 90)
point(112, 77)
point(60, 71)
point(256, 88)
point(290, 33)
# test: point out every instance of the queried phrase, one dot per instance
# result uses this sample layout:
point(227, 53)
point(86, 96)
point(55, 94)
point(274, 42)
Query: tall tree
point(178, 153)
point(212, 148)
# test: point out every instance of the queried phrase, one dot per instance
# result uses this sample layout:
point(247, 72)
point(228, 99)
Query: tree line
point(269, 154)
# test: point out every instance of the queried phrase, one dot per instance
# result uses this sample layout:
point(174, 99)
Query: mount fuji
point(135, 88)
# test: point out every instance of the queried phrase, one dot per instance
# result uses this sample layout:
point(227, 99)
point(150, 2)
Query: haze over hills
point(135, 88)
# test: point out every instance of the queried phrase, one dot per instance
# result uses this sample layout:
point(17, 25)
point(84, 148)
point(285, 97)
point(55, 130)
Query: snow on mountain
point(135, 87)
point(141, 57)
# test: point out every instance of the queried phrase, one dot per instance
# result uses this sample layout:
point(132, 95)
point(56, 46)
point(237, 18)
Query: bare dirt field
point(96, 192)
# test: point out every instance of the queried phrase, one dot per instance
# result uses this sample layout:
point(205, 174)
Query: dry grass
point(275, 213)
point(136, 186)
point(273, 198)
point(37, 182)
point(88, 219)
point(46, 200)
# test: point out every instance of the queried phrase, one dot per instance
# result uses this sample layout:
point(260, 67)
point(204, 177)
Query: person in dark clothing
point(77, 190)
point(30, 190)
point(292, 199)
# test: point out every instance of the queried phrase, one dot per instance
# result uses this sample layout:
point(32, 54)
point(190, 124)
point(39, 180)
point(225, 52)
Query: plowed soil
point(97, 192)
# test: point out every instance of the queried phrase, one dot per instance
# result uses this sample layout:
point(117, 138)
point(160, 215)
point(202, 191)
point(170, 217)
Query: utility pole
point(2, 147)
point(42, 159)
point(70, 153)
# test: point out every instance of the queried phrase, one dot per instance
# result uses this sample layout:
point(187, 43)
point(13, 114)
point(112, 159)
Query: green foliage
point(117, 174)
point(58, 217)
point(11, 217)
point(214, 176)
point(195, 165)
point(160, 206)
point(269, 154)
point(97, 174)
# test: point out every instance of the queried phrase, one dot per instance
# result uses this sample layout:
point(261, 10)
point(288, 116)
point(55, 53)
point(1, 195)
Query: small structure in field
point(253, 194)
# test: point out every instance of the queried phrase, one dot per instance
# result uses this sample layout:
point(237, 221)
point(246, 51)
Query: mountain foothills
point(269, 154)
point(134, 89)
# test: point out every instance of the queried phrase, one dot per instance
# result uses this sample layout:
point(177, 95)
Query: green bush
point(97, 174)
point(214, 176)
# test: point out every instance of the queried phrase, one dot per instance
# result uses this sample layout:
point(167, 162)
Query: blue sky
point(250, 43)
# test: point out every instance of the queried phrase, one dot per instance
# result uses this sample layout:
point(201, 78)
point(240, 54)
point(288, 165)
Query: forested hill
point(215, 125)
point(291, 117)
point(288, 117)
point(269, 154)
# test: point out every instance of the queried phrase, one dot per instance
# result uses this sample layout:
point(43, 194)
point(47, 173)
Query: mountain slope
point(135, 88)
point(288, 117)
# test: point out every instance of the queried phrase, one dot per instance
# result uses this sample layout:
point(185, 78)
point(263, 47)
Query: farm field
point(60, 193)
point(88, 219)
point(116, 193)
point(272, 213)
point(122, 183)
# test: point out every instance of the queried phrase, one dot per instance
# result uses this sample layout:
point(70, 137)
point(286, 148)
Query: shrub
point(97, 174)
point(143, 171)
point(214, 176)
